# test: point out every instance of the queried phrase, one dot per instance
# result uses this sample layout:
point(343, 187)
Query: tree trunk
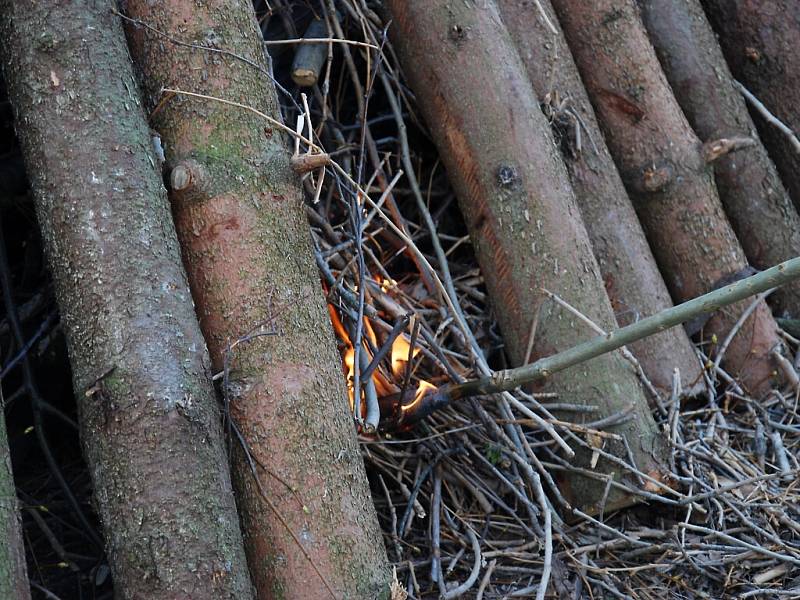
point(149, 419)
point(759, 40)
point(662, 164)
point(633, 283)
point(758, 206)
point(13, 576)
point(309, 522)
point(516, 199)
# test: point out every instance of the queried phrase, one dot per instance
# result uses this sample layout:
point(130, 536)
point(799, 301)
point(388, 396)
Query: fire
point(400, 350)
point(401, 347)
point(423, 388)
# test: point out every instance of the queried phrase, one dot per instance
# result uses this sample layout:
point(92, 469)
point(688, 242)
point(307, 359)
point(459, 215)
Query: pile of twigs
point(468, 499)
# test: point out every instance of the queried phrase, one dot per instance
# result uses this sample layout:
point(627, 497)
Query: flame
point(400, 350)
point(399, 360)
point(423, 388)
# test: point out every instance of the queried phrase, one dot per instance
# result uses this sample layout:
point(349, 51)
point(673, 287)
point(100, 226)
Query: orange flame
point(399, 360)
point(400, 350)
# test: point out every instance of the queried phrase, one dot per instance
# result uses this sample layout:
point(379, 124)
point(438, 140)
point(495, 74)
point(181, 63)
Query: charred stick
point(409, 360)
point(398, 328)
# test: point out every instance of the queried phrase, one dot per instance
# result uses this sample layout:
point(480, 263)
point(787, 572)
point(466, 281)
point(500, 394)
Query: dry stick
point(509, 379)
point(399, 327)
point(764, 112)
point(600, 331)
point(457, 592)
point(323, 40)
point(486, 578)
point(735, 329)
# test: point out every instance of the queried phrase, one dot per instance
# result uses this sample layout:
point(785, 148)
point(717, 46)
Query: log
point(150, 425)
point(521, 213)
point(759, 40)
point(310, 527)
point(759, 208)
point(666, 174)
point(13, 574)
point(629, 270)
point(309, 58)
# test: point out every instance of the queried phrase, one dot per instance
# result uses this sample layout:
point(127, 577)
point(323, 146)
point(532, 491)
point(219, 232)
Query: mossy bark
point(758, 206)
point(664, 169)
point(246, 245)
point(759, 39)
point(630, 273)
point(13, 575)
point(525, 226)
point(150, 425)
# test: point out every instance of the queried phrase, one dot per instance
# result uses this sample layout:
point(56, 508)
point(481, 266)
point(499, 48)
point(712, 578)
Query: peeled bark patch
point(756, 202)
point(516, 199)
point(310, 526)
point(629, 271)
point(149, 419)
point(663, 167)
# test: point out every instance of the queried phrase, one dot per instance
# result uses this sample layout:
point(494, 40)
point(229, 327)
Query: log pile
point(485, 184)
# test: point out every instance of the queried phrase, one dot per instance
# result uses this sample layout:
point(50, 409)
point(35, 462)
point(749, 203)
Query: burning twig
point(412, 411)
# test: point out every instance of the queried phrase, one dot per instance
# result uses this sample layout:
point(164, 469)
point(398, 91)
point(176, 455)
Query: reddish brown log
point(309, 524)
point(758, 206)
point(633, 283)
point(662, 164)
point(525, 226)
point(760, 42)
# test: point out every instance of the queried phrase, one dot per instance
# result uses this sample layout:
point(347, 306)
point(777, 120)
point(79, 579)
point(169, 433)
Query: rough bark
point(662, 164)
point(308, 520)
point(516, 199)
point(630, 273)
point(758, 206)
point(759, 39)
point(149, 420)
point(13, 575)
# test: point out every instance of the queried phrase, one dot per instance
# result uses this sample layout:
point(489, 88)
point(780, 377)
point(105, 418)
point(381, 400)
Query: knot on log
point(507, 176)
point(457, 34)
point(188, 180)
point(654, 178)
point(716, 149)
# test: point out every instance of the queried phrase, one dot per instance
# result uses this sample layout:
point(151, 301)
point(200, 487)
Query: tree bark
point(149, 420)
point(630, 273)
point(516, 199)
point(13, 575)
point(758, 206)
point(309, 522)
point(662, 164)
point(759, 40)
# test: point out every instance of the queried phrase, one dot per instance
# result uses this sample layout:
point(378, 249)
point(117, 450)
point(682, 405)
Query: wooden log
point(13, 574)
point(759, 208)
point(525, 226)
point(759, 40)
point(311, 530)
point(662, 164)
point(150, 425)
point(629, 270)
point(309, 58)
